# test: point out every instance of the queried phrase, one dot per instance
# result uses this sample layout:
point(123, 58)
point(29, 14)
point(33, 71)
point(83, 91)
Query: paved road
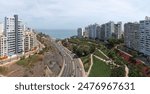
point(72, 66)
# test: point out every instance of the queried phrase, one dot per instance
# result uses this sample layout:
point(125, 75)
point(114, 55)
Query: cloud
point(74, 13)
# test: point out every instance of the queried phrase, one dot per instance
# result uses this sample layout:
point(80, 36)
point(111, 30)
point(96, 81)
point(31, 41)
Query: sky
point(71, 14)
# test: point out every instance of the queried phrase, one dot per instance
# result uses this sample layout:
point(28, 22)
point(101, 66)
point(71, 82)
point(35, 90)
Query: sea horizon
point(59, 33)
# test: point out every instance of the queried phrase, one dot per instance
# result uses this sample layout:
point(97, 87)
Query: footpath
point(109, 61)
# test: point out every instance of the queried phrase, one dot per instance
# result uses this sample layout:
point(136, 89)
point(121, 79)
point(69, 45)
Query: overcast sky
point(71, 14)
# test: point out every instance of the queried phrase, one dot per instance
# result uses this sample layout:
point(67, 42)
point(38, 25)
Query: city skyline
point(71, 14)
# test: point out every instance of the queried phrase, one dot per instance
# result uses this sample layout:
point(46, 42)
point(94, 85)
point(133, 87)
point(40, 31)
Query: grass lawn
point(86, 62)
point(100, 69)
point(100, 54)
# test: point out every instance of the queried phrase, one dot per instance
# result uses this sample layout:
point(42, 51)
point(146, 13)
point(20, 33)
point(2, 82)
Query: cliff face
point(52, 57)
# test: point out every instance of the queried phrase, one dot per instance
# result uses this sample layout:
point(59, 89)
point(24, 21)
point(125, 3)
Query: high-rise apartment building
point(109, 30)
point(14, 33)
point(98, 32)
point(104, 31)
point(80, 32)
point(86, 33)
point(29, 41)
point(117, 30)
point(93, 31)
point(137, 36)
point(3, 46)
point(16, 38)
point(144, 39)
point(102, 34)
point(131, 35)
point(1, 28)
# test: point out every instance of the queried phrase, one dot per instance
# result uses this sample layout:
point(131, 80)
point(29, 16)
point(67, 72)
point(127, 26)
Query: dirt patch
point(15, 70)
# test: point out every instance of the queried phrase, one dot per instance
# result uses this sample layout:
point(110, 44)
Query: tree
point(133, 71)
point(92, 48)
point(82, 50)
point(112, 42)
point(112, 54)
point(118, 72)
point(74, 48)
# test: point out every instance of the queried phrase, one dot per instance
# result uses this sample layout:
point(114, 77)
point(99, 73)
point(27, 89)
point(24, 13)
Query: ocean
point(59, 34)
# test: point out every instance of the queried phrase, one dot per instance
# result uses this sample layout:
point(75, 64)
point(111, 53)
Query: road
point(72, 65)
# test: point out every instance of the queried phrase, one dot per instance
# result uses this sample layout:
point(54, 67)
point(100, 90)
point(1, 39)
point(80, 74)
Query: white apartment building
point(109, 30)
point(3, 46)
point(92, 29)
point(137, 36)
point(117, 30)
point(86, 33)
point(80, 32)
point(1, 28)
point(102, 32)
point(144, 39)
point(14, 33)
point(29, 41)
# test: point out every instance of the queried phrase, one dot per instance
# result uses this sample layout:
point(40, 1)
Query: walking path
point(112, 62)
point(103, 54)
point(83, 71)
point(107, 61)
point(126, 71)
point(102, 59)
point(10, 62)
point(90, 65)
